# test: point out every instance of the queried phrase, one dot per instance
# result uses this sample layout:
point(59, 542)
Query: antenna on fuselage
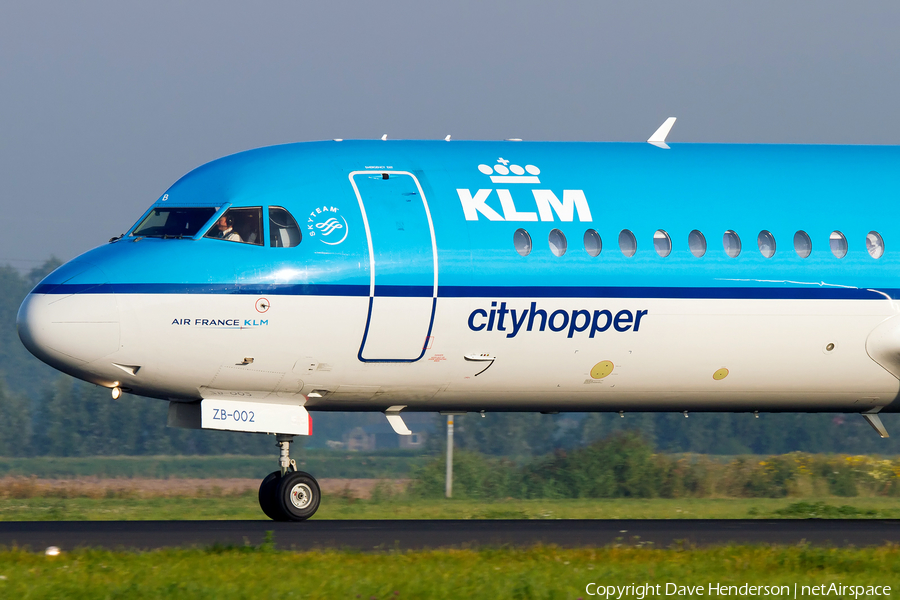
point(447, 139)
point(658, 138)
point(384, 138)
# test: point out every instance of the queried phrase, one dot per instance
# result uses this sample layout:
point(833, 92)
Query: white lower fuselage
point(780, 355)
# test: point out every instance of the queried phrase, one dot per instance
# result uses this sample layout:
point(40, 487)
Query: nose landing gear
point(288, 494)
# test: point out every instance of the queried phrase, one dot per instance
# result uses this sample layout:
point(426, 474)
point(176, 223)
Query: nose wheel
point(289, 494)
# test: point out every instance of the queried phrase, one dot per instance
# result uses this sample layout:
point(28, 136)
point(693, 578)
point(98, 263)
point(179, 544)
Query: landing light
point(116, 392)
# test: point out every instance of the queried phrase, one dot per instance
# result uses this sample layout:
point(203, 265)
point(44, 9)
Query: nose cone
point(71, 323)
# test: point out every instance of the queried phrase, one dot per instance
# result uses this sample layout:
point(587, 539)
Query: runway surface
point(400, 534)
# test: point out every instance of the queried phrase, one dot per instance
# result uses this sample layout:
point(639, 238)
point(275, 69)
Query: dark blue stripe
point(494, 292)
point(274, 289)
point(736, 293)
point(405, 291)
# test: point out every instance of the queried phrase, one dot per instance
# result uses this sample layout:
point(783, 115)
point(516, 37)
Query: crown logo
point(503, 172)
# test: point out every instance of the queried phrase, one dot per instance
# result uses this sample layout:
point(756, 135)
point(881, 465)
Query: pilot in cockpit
point(225, 226)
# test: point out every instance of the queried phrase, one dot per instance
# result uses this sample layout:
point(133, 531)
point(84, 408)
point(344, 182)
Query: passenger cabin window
point(592, 242)
point(766, 242)
point(283, 229)
point(732, 243)
point(522, 242)
point(662, 243)
point(242, 225)
point(802, 244)
point(173, 222)
point(838, 244)
point(627, 243)
point(697, 243)
point(874, 244)
point(558, 243)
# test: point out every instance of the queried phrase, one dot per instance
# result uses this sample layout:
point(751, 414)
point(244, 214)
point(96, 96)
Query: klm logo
point(546, 202)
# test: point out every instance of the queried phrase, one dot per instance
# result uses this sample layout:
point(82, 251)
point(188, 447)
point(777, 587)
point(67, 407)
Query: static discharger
point(602, 369)
point(720, 374)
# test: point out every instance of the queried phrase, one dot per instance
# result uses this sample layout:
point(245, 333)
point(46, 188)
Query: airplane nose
point(70, 324)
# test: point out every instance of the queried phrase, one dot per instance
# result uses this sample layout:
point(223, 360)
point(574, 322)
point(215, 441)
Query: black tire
point(298, 496)
point(268, 496)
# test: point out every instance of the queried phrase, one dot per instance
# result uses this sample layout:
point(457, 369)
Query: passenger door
point(402, 265)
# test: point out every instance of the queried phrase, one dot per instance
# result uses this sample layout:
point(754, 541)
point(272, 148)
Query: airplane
point(470, 276)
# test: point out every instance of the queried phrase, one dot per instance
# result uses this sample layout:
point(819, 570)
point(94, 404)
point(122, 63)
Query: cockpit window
point(238, 225)
point(283, 230)
point(173, 222)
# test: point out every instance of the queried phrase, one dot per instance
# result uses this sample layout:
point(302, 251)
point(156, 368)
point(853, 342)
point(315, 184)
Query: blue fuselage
point(545, 244)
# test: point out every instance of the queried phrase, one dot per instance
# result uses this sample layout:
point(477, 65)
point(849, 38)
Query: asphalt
point(409, 534)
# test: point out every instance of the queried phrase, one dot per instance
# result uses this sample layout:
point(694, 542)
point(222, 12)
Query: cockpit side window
point(173, 222)
point(238, 225)
point(283, 229)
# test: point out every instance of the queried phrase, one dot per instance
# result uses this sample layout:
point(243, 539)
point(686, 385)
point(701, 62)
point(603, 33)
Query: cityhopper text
point(512, 321)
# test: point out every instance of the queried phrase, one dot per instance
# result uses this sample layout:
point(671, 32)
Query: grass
point(620, 508)
point(244, 506)
point(129, 509)
point(538, 572)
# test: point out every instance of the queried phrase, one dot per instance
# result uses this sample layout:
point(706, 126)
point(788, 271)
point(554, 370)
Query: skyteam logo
point(545, 201)
point(328, 225)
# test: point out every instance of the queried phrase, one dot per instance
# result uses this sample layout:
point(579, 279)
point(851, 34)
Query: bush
point(621, 466)
point(624, 466)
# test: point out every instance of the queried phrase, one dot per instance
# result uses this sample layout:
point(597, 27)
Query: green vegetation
point(344, 465)
point(821, 510)
point(625, 466)
point(539, 572)
point(521, 436)
point(211, 503)
point(130, 509)
point(655, 508)
point(17, 367)
point(620, 477)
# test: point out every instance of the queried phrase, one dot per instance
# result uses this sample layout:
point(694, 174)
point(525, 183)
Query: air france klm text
point(233, 323)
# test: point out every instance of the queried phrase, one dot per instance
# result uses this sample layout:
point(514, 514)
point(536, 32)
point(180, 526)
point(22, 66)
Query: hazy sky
point(105, 104)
